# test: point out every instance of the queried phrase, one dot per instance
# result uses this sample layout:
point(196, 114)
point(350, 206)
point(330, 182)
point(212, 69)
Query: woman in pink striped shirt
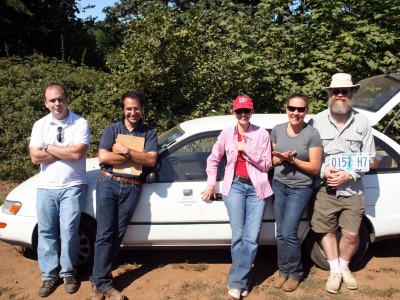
point(245, 189)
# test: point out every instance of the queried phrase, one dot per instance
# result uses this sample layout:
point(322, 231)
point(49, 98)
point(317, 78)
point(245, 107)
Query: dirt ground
point(201, 274)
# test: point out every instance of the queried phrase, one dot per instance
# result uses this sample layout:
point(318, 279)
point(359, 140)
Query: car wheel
point(317, 254)
point(87, 236)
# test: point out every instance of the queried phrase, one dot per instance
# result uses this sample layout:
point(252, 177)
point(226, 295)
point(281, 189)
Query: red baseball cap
point(243, 102)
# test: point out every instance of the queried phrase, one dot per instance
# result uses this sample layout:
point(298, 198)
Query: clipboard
point(134, 143)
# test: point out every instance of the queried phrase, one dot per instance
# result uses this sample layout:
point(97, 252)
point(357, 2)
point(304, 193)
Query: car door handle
point(174, 161)
point(195, 176)
point(218, 197)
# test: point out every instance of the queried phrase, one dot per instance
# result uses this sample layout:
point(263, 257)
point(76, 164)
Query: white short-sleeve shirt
point(74, 130)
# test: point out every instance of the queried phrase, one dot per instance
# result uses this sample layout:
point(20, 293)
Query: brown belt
point(122, 179)
point(242, 179)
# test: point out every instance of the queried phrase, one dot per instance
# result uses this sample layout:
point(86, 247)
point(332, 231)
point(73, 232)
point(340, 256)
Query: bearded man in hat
point(339, 201)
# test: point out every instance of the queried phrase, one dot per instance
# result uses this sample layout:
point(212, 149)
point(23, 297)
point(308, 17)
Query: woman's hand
point(242, 144)
point(288, 156)
point(208, 192)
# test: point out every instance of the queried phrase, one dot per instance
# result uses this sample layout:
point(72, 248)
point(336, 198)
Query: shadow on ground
point(384, 248)
point(148, 260)
point(265, 263)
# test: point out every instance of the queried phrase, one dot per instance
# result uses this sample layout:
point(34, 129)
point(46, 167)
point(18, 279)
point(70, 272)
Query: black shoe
point(70, 284)
point(48, 286)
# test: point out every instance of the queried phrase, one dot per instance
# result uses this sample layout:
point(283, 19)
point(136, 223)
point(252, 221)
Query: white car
point(171, 212)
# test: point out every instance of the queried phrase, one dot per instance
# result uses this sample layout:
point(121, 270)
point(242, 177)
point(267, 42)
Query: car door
point(381, 186)
point(171, 211)
point(376, 97)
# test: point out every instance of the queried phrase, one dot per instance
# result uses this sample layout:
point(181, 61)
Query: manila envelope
point(134, 143)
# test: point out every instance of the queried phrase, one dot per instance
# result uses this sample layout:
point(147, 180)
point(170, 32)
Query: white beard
point(341, 108)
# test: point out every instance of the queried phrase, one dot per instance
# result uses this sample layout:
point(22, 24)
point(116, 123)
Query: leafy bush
point(21, 102)
point(192, 58)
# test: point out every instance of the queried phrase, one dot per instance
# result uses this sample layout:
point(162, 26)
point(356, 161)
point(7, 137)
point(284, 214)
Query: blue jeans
point(245, 213)
point(289, 206)
point(115, 204)
point(58, 214)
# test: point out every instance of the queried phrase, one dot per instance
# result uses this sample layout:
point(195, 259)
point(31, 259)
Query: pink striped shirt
point(257, 156)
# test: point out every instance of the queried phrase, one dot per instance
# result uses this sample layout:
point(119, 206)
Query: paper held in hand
point(134, 143)
point(351, 162)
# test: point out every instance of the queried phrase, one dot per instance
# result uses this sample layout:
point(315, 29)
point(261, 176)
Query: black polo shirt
point(142, 130)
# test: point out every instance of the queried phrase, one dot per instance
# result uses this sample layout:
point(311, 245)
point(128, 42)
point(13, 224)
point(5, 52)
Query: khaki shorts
point(331, 211)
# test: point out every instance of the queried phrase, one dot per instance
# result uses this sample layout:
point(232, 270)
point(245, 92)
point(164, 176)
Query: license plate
point(351, 162)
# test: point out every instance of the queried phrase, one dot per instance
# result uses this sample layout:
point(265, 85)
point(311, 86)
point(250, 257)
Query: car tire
point(87, 236)
point(317, 254)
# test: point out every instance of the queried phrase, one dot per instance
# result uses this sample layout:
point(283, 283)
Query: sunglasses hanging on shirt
point(59, 134)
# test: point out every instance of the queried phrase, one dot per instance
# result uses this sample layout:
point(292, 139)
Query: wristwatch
point(127, 154)
point(45, 146)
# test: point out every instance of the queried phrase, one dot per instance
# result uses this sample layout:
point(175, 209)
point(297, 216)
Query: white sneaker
point(333, 283)
point(348, 279)
point(234, 293)
point(244, 294)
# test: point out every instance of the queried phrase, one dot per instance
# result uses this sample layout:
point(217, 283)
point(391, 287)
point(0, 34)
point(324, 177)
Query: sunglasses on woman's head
point(344, 92)
point(300, 109)
point(243, 110)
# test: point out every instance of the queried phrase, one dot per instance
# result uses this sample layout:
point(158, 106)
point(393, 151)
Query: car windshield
point(169, 137)
point(376, 91)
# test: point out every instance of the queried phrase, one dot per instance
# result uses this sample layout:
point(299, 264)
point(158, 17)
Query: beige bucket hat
point(341, 80)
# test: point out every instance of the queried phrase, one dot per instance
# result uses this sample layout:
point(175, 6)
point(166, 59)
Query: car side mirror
point(152, 177)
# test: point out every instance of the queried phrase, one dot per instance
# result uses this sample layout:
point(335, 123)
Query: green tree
point(193, 57)
point(358, 37)
point(47, 27)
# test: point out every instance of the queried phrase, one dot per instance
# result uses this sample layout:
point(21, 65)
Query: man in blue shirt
point(118, 193)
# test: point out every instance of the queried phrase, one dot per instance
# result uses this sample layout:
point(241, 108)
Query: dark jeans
point(115, 204)
point(289, 206)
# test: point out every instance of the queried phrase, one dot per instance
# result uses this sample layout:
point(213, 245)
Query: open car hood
point(377, 96)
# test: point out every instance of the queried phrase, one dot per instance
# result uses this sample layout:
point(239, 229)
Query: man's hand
point(335, 178)
point(119, 148)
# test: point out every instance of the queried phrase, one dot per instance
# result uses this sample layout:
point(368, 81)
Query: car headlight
point(11, 207)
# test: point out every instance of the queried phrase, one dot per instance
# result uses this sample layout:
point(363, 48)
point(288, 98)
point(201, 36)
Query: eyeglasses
point(59, 136)
point(133, 109)
point(300, 109)
point(243, 111)
point(344, 92)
